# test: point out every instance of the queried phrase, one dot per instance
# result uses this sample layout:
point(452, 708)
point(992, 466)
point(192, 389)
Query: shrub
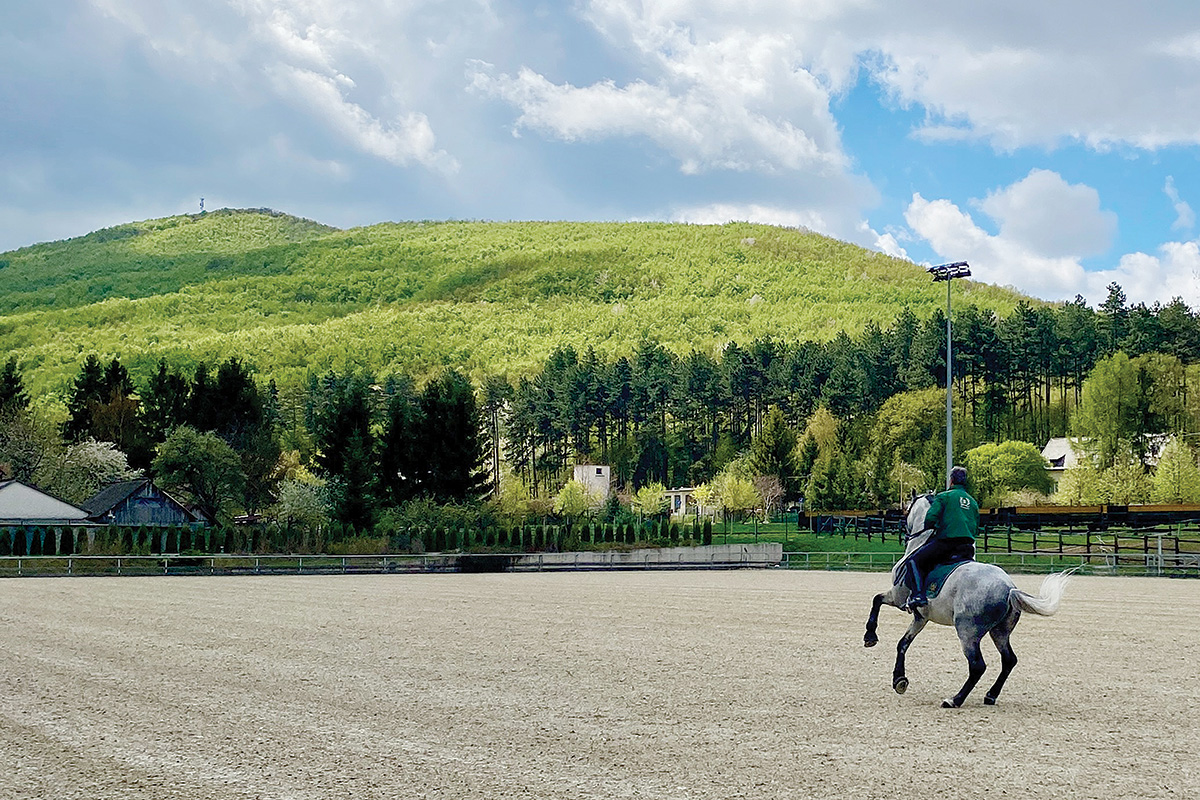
point(360, 546)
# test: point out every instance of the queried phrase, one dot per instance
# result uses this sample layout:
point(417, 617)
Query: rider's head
point(958, 476)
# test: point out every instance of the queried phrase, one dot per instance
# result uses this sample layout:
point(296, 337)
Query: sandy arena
point(715, 685)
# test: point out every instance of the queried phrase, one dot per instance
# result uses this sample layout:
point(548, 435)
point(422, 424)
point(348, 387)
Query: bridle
point(909, 536)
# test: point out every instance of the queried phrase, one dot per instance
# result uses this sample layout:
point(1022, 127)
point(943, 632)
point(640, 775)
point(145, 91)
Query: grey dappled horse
point(977, 599)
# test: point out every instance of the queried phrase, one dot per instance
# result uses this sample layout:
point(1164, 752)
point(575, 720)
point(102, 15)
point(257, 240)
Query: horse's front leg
point(872, 638)
point(890, 597)
point(899, 680)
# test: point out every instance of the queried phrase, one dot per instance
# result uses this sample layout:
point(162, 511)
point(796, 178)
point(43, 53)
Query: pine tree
point(165, 403)
point(450, 442)
point(401, 461)
point(12, 389)
point(87, 392)
point(346, 448)
point(773, 451)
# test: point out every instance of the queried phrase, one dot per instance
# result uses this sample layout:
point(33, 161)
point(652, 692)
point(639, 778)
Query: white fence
point(731, 556)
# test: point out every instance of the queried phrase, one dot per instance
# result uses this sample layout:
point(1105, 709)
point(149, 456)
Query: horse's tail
point(1045, 603)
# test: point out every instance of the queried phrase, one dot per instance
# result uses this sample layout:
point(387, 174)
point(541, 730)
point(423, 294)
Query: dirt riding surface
point(586, 685)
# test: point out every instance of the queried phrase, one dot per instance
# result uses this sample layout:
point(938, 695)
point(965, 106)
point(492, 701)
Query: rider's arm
point(934, 515)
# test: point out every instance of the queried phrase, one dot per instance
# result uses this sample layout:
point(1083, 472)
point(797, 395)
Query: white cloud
point(351, 70)
point(822, 221)
point(720, 213)
point(1013, 260)
point(1100, 73)
point(408, 138)
point(1185, 218)
point(1045, 214)
point(1104, 73)
point(739, 100)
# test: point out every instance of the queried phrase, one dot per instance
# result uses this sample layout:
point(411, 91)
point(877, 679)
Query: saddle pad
point(938, 576)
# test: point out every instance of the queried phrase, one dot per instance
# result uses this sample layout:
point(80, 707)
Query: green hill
point(291, 296)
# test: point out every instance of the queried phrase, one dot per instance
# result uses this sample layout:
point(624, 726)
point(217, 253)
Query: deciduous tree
point(204, 467)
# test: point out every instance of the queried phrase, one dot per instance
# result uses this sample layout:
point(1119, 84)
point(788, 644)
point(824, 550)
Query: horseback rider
point(954, 518)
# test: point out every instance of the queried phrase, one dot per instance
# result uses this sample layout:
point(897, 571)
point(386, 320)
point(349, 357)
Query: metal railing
point(1152, 564)
point(222, 564)
point(1147, 564)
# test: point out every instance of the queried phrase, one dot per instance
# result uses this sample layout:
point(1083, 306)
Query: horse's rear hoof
point(900, 685)
point(948, 704)
point(989, 701)
point(870, 641)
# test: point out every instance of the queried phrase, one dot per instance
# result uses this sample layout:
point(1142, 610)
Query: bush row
point(335, 539)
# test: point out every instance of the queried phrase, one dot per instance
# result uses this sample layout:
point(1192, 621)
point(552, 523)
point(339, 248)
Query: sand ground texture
point(723, 685)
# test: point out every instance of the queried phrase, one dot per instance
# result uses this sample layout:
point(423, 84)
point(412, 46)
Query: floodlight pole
point(947, 273)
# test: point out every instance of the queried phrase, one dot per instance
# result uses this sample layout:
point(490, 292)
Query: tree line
point(852, 422)
point(869, 402)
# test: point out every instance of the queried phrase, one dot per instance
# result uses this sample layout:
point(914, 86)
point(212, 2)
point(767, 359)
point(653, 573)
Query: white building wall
point(596, 478)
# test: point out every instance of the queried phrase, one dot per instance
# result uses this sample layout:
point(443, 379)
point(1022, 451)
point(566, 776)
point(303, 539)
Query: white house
point(596, 478)
point(21, 504)
point(682, 502)
point(1062, 455)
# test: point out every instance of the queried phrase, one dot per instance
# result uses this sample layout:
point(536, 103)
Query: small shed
point(139, 502)
point(22, 504)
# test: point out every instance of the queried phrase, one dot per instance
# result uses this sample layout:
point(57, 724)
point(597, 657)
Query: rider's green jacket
point(953, 514)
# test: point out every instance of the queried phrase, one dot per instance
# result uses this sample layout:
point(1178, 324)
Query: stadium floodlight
point(947, 273)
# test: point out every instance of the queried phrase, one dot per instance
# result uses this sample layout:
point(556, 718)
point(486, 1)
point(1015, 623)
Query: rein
point(908, 537)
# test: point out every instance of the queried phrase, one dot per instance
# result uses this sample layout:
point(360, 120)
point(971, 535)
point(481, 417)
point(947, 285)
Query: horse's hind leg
point(1008, 659)
point(970, 639)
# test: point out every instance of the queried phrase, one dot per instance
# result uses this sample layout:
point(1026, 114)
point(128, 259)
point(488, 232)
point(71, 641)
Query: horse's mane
point(914, 524)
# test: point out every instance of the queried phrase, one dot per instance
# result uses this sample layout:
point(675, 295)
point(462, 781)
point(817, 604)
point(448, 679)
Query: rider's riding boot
point(916, 596)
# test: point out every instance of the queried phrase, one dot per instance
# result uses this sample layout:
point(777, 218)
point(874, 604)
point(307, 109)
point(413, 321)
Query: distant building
point(682, 501)
point(22, 504)
point(1062, 455)
point(596, 478)
point(138, 502)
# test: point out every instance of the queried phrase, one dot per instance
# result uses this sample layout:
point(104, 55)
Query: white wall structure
point(596, 478)
point(21, 504)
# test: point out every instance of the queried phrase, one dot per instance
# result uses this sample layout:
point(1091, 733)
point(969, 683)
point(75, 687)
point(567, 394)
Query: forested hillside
point(266, 365)
point(292, 297)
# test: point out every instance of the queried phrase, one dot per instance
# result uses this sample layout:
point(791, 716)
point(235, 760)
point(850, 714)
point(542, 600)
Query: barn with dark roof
point(139, 502)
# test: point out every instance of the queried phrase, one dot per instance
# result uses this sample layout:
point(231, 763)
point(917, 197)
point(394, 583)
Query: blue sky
point(1053, 146)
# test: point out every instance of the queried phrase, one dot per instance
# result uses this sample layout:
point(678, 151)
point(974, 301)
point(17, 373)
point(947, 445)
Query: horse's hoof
point(948, 704)
point(900, 685)
point(870, 641)
point(989, 701)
